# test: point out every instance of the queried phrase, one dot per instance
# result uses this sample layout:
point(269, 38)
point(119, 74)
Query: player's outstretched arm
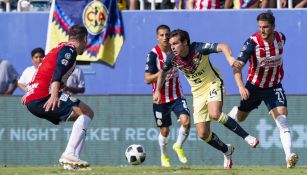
point(228, 54)
point(160, 81)
point(239, 81)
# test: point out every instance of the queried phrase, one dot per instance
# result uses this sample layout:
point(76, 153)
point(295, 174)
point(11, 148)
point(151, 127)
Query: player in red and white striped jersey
point(264, 51)
point(171, 97)
point(46, 100)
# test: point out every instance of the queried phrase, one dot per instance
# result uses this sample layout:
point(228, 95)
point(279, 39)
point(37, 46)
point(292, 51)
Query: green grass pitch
point(154, 170)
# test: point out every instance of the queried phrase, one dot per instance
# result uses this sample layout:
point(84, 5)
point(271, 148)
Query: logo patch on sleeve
point(67, 56)
point(64, 62)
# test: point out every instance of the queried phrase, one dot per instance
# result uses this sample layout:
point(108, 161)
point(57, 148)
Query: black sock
point(217, 143)
point(235, 127)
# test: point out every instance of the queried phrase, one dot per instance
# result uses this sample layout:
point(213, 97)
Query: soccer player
point(171, 97)
point(44, 98)
point(264, 51)
point(207, 88)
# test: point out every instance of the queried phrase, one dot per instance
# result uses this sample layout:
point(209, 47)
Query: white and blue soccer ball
point(135, 154)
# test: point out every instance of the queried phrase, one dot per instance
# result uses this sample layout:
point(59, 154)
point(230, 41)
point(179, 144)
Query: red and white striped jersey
point(207, 4)
point(266, 64)
point(171, 89)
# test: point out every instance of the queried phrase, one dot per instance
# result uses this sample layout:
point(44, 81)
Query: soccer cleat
point(252, 141)
point(72, 160)
point(180, 153)
point(227, 157)
point(292, 160)
point(165, 162)
point(74, 168)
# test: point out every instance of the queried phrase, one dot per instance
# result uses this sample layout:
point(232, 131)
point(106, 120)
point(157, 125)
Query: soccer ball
point(135, 154)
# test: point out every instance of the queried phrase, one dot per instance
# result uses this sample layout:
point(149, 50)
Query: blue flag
point(102, 20)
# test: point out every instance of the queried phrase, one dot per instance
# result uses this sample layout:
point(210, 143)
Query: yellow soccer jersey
point(196, 67)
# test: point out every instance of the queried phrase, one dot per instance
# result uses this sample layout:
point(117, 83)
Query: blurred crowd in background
point(44, 5)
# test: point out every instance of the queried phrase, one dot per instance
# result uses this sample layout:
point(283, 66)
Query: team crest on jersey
point(159, 122)
point(95, 16)
point(67, 56)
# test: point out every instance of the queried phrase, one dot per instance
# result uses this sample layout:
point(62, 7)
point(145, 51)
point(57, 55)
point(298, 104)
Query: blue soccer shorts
point(272, 97)
point(59, 113)
point(162, 112)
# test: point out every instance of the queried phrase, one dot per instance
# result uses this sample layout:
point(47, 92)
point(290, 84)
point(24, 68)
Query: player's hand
point(244, 93)
point(23, 99)
point(156, 97)
point(52, 103)
point(237, 65)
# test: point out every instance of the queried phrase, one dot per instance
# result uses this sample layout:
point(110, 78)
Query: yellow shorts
point(214, 92)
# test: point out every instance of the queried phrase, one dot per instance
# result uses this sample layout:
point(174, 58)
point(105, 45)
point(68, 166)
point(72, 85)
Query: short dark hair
point(183, 35)
point(266, 16)
point(77, 32)
point(38, 50)
point(162, 26)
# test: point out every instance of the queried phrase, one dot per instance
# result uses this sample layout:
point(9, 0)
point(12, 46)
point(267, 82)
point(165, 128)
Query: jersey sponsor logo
point(67, 56)
point(64, 62)
point(95, 16)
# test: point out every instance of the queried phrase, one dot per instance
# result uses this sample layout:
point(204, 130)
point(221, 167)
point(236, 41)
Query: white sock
point(285, 137)
point(78, 133)
point(233, 113)
point(80, 148)
point(182, 136)
point(163, 141)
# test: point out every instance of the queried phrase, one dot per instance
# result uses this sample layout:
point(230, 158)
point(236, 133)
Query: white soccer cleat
point(252, 141)
point(74, 168)
point(227, 157)
point(292, 160)
point(72, 160)
point(233, 113)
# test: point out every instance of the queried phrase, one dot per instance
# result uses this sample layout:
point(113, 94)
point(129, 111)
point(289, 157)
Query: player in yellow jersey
point(207, 88)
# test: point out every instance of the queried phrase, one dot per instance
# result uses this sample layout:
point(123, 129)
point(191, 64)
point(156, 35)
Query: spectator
point(206, 4)
point(180, 4)
point(37, 55)
point(300, 3)
point(75, 83)
point(122, 4)
point(12, 6)
point(246, 4)
point(8, 78)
